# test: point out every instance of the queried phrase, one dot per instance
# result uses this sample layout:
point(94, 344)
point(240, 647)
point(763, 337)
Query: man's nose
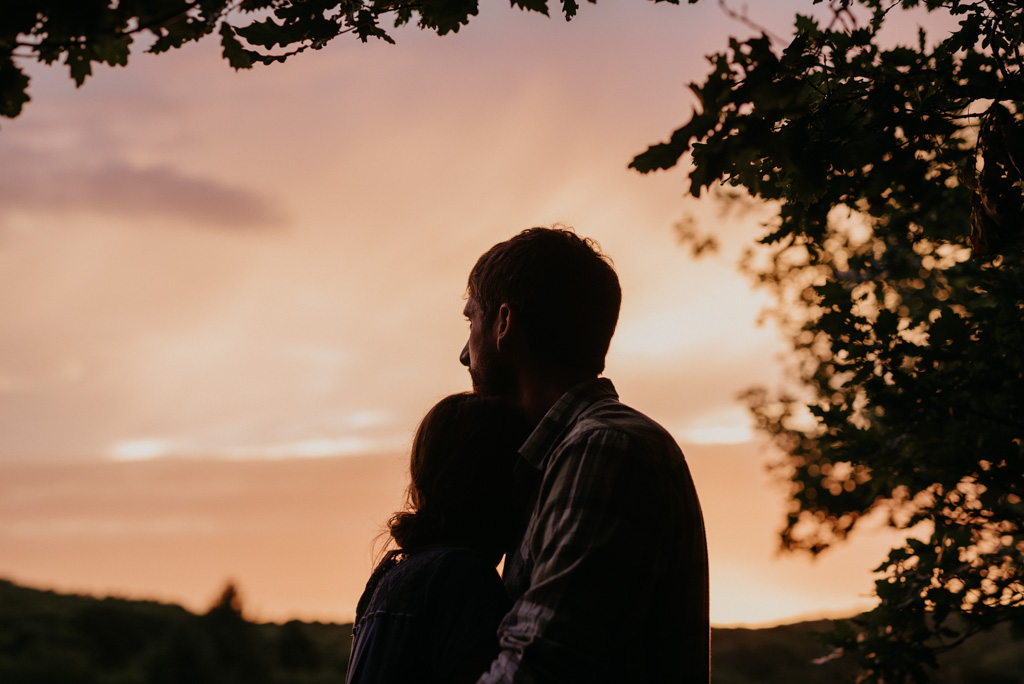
point(464, 356)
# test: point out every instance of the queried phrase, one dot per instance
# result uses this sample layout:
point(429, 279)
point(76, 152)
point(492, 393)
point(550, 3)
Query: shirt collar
point(562, 416)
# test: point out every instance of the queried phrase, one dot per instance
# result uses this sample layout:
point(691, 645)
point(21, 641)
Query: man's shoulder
point(615, 432)
point(590, 416)
point(610, 419)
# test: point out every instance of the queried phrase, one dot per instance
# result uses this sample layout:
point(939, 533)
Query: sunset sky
point(229, 296)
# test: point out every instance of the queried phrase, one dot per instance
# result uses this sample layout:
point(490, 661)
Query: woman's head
point(461, 475)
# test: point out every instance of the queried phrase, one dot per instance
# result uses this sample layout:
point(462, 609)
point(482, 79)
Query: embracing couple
point(591, 503)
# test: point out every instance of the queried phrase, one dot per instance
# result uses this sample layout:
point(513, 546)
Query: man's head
point(564, 297)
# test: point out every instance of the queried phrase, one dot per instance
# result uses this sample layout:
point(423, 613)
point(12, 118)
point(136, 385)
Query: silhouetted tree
point(227, 608)
point(185, 655)
point(240, 652)
point(295, 650)
point(83, 32)
point(895, 257)
point(116, 636)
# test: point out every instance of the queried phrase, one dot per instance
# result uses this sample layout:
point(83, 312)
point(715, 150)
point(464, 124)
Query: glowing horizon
point(299, 537)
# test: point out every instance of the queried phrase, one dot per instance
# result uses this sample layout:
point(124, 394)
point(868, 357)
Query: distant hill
point(786, 655)
point(50, 638)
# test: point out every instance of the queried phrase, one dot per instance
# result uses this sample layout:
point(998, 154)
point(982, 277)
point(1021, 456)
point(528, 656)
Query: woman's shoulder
point(439, 561)
point(434, 579)
point(428, 611)
point(428, 568)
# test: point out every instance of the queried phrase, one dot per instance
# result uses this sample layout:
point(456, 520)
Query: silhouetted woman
point(431, 608)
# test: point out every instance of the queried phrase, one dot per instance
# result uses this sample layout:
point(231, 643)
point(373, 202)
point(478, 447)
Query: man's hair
point(563, 291)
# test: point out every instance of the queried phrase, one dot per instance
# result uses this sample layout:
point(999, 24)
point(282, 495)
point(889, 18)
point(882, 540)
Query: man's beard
point(491, 378)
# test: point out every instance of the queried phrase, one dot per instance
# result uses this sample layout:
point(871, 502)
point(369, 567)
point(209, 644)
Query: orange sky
point(298, 535)
point(206, 274)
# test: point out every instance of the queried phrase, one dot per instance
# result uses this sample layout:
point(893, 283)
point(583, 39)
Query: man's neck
point(538, 391)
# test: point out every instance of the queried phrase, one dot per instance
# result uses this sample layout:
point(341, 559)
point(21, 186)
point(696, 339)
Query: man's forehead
point(471, 306)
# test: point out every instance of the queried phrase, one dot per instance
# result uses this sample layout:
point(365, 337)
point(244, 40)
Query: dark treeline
point(50, 638)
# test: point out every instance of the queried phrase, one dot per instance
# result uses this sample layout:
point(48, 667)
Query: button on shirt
point(610, 580)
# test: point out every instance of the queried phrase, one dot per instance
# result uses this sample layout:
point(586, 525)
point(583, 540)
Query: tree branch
point(747, 21)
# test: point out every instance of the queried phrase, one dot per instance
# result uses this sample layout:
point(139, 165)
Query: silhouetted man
point(609, 572)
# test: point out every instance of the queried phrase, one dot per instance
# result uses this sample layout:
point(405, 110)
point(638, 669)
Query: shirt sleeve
point(590, 541)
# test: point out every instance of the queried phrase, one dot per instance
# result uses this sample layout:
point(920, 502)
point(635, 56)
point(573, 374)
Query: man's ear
point(504, 326)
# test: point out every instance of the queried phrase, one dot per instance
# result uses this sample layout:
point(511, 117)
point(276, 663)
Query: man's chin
point(490, 386)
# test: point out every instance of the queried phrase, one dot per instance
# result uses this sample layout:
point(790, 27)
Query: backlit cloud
point(36, 182)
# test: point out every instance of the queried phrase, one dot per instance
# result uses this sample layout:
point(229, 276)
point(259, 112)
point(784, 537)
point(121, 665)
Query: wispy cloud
point(324, 447)
point(60, 376)
point(33, 181)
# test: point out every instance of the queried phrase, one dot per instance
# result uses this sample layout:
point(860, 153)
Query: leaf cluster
point(81, 33)
point(896, 261)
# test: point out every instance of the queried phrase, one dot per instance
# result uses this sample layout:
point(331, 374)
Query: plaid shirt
point(610, 580)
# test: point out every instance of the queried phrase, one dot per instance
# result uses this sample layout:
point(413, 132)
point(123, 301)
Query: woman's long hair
point(460, 489)
point(460, 485)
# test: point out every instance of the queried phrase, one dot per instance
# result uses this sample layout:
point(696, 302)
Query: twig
point(744, 19)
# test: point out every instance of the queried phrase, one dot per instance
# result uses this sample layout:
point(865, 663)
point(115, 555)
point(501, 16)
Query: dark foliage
point(896, 260)
point(49, 638)
point(796, 654)
point(53, 638)
point(81, 33)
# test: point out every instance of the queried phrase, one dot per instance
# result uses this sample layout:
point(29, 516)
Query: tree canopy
point(895, 260)
point(894, 254)
point(80, 33)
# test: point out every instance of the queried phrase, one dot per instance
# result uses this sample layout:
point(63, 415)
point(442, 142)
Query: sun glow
point(717, 434)
point(141, 450)
point(150, 449)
